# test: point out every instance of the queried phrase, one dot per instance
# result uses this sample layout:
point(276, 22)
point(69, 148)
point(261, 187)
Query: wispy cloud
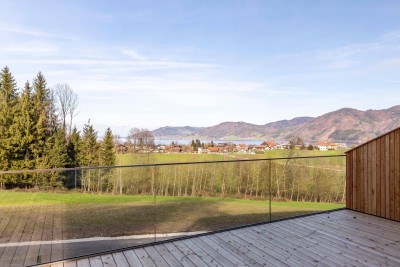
point(24, 31)
point(133, 54)
point(144, 64)
point(35, 33)
point(32, 48)
point(387, 42)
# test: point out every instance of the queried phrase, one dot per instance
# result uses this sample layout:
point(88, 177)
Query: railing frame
point(162, 164)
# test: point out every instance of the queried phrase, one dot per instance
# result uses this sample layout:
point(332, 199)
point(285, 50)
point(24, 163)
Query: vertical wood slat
point(387, 176)
point(373, 177)
point(377, 175)
point(381, 177)
point(354, 179)
point(391, 175)
point(397, 176)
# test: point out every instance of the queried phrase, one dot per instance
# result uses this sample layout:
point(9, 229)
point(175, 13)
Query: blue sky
point(157, 63)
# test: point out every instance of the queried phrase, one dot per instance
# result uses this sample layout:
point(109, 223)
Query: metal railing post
point(155, 203)
point(75, 178)
point(270, 190)
point(120, 181)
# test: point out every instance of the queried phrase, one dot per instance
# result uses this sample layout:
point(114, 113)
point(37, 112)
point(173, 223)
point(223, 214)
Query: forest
point(36, 133)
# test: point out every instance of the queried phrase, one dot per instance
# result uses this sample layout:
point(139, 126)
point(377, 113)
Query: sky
point(149, 64)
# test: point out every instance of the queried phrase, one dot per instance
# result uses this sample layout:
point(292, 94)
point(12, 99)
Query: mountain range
point(346, 125)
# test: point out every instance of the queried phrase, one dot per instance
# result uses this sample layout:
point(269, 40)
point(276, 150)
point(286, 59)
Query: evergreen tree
point(22, 131)
point(73, 148)
point(42, 118)
point(89, 151)
point(56, 150)
point(8, 110)
point(107, 149)
point(25, 130)
point(198, 143)
point(54, 156)
point(193, 145)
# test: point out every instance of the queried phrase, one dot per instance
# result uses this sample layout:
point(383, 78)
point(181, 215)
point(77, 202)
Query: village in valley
point(196, 146)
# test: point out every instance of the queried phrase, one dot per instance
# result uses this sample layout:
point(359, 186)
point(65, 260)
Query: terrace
point(257, 212)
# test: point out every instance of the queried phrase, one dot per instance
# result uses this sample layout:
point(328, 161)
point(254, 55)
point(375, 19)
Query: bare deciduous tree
point(67, 104)
point(140, 139)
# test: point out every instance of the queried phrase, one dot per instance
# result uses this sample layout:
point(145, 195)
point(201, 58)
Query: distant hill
point(345, 125)
point(175, 132)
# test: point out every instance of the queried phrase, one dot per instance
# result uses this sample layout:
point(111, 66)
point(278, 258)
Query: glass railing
point(65, 213)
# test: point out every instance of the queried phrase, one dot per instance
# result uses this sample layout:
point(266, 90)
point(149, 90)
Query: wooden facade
point(373, 176)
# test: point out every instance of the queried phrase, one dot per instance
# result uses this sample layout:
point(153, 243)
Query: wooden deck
point(339, 238)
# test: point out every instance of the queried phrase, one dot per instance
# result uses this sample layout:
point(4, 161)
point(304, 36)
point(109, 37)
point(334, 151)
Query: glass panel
point(75, 213)
point(55, 215)
point(308, 185)
point(199, 198)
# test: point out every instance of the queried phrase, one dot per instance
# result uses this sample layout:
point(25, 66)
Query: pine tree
point(107, 149)
point(55, 155)
point(43, 118)
point(89, 151)
point(56, 150)
point(73, 148)
point(107, 158)
point(22, 131)
point(89, 156)
point(8, 103)
point(193, 145)
point(25, 129)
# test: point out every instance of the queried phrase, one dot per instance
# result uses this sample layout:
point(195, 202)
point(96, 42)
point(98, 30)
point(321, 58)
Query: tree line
point(36, 133)
point(316, 180)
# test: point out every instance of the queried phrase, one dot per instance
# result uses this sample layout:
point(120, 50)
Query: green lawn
point(131, 158)
point(78, 215)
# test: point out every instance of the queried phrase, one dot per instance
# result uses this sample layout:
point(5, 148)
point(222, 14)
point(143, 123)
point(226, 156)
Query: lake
point(187, 141)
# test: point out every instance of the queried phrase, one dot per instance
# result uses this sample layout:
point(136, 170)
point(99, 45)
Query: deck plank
point(70, 264)
point(245, 254)
point(212, 252)
point(335, 250)
point(219, 251)
point(185, 261)
point(369, 255)
point(300, 250)
point(96, 262)
point(372, 242)
point(144, 257)
point(190, 254)
point(332, 248)
point(167, 256)
point(204, 256)
point(156, 257)
point(249, 244)
point(83, 263)
point(132, 258)
point(120, 259)
point(108, 260)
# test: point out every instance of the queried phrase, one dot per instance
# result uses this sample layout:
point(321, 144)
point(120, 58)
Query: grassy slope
point(40, 198)
point(126, 159)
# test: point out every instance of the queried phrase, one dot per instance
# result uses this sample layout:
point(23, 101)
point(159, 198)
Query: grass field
point(26, 216)
point(130, 158)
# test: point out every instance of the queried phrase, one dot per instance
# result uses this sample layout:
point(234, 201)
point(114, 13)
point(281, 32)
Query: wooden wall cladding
point(373, 177)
